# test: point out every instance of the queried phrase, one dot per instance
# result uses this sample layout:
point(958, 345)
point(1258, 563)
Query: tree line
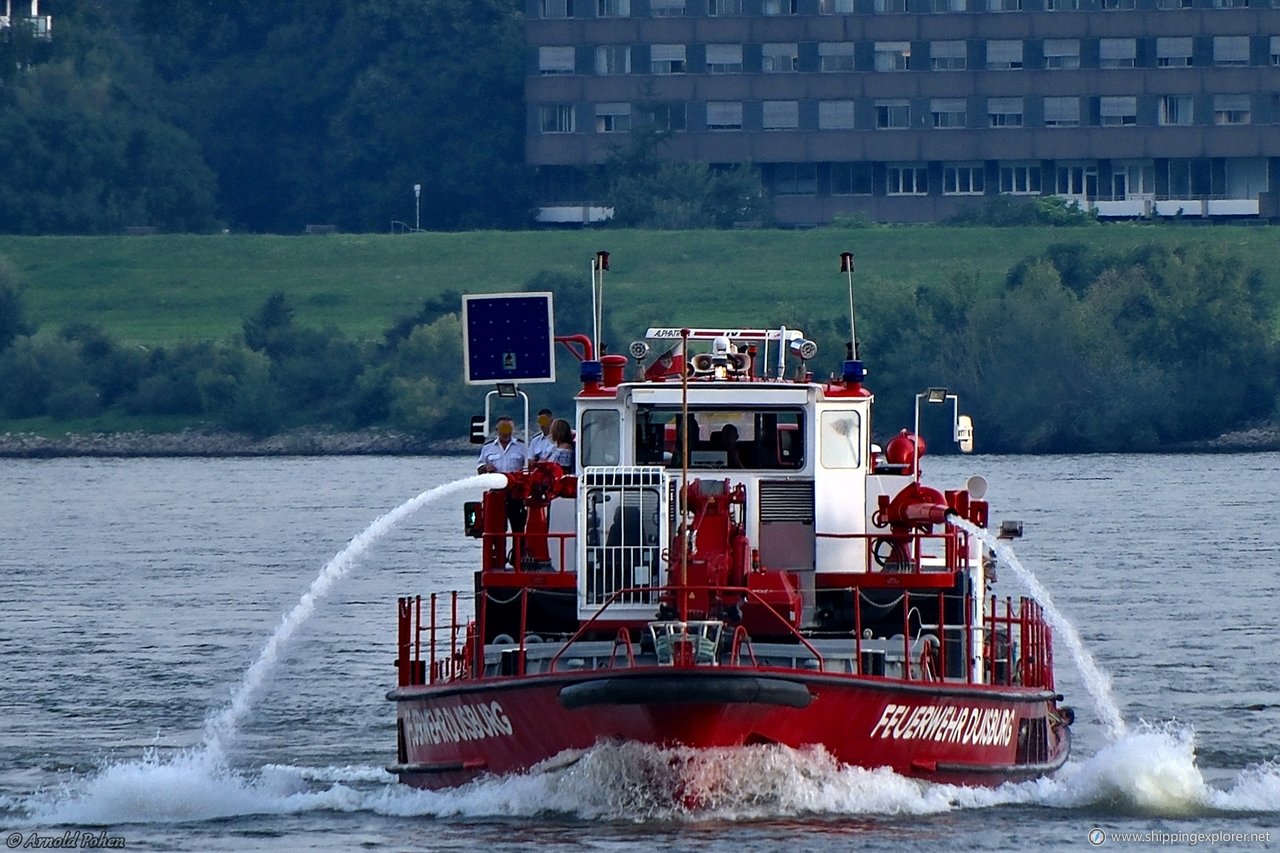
point(190, 116)
point(1076, 350)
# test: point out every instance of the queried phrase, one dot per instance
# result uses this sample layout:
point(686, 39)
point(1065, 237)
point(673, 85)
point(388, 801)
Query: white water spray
point(1096, 681)
point(220, 728)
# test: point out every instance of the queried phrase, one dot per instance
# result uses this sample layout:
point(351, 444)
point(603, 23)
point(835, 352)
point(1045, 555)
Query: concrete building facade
point(909, 110)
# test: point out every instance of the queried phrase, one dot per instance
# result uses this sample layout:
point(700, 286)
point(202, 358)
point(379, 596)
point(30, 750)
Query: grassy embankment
point(163, 289)
point(149, 291)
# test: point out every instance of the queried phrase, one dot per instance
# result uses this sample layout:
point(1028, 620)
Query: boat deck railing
point(1009, 645)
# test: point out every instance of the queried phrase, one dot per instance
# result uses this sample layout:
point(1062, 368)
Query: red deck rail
point(1010, 645)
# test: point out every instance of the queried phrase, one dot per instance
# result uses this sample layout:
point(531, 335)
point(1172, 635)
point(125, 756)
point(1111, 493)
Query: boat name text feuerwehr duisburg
point(946, 724)
point(456, 724)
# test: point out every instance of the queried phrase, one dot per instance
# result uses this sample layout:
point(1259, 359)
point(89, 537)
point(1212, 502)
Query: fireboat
point(733, 562)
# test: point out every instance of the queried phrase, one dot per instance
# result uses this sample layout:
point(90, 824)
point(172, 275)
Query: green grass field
point(162, 289)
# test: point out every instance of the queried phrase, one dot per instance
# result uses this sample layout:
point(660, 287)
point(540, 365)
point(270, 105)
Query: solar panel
point(509, 337)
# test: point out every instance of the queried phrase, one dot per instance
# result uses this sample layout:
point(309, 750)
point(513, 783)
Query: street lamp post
point(417, 207)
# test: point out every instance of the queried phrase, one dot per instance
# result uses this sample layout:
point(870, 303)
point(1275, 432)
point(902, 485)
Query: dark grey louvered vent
point(786, 501)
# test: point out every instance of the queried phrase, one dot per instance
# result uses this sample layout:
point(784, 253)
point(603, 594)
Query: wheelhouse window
point(598, 437)
point(764, 439)
point(840, 437)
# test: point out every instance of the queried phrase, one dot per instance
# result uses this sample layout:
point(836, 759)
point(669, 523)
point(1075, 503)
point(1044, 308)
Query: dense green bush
point(1076, 350)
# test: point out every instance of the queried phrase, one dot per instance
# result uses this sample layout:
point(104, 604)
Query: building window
point(963, 179)
point(556, 8)
point(613, 8)
point(851, 179)
point(835, 115)
point(1115, 111)
point(781, 115)
point(1230, 50)
point(1116, 5)
point(1062, 112)
point(1004, 5)
point(1004, 54)
point(950, 5)
point(889, 6)
point(779, 58)
point(665, 116)
point(613, 118)
point(1004, 112)
point(835, 56)
point(1077, 180)
point(1062, 53)
point(1231, 4)
point(949, 112)
point(795, 179)
point(1117, 53)
point(1275, 50)
point(1020, 179)
point(948, 55)
point(1175, 109)
point(724, 115)
point(666, 8)
point(893, 113)
point(893, 56)
point(780, 7)
point(1062, 5)
point(906, 180)
point(1173, 52)
point(724, 58)
point(835, 7)
point(666, 59)
point(716, 8)
point(556, 118)
point(613, 59)
point(1231, 109)
point(1174, 4)
point(555, 60)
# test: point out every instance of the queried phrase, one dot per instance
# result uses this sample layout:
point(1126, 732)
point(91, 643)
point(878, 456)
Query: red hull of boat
point(941, 732)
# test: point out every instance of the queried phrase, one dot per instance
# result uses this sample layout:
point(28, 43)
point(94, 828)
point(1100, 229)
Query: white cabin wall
point(841, 451)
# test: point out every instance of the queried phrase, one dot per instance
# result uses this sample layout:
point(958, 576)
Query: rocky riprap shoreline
point(314, 442)
point(197, 442)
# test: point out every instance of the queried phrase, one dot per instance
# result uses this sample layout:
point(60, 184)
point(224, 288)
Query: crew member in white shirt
point(541, 446)
point(506, 454)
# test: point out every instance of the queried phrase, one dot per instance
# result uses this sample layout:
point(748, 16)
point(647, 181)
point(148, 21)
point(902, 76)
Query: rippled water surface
point(136, 594)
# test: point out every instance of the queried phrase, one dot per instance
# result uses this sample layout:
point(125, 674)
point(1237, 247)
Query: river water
point(137, 594)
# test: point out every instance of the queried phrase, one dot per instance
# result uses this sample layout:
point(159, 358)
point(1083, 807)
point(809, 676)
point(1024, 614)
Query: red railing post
point(942, 638)
point(967, 645)
point(403, 665)
point(1008, 639)
point(524, 625)
point(906, 628)
point(434, 671)
point(857, 628)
